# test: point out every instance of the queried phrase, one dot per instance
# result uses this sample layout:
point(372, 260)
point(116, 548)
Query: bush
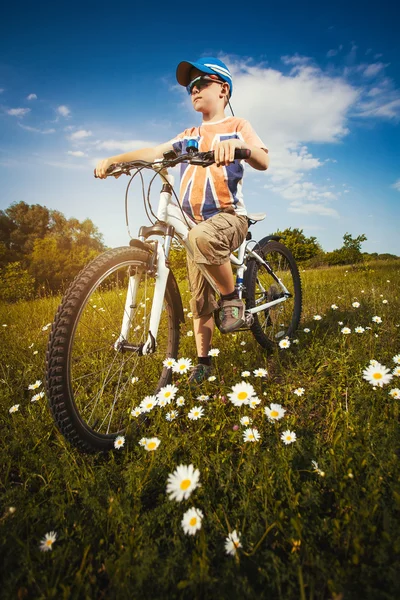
point(16, 283)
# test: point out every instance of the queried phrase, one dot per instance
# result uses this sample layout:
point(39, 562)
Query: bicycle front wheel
point(92, 385)
point(281, 320)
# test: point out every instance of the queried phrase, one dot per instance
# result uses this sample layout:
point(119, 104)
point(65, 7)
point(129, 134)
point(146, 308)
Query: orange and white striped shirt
point(206, 191)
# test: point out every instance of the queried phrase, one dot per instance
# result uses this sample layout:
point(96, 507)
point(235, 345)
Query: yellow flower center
point(151, 445)
point(167, 394)
point(377, 375)
point(193, 521)
point(274, 413)
point(49, 542)
point(242, 395)
point(150, 404)
point(289, 437)
point(251, 436)
point(182, 367)
point(185, 484)
point(196, 413)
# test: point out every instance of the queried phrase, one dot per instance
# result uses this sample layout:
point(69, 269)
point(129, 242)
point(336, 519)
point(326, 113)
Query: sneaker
point(199, 373)
point(231, 315)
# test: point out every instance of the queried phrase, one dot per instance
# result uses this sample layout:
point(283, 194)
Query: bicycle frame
point(170, 214)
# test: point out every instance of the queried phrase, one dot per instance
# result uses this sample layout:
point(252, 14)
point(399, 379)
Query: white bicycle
point(120, 317)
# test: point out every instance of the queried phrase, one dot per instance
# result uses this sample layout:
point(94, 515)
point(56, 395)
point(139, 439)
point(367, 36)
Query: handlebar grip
point(241, 153)
point(110, 168)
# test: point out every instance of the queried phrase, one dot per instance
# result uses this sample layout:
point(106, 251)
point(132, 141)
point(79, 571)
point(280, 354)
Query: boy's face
point(208, 98)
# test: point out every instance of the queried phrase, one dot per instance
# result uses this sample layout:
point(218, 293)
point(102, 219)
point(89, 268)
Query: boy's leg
point(213, 240)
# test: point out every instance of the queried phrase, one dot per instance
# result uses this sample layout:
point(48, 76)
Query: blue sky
point(320, 84)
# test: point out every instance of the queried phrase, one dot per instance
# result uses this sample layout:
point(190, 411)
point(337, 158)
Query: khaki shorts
point(212, 241)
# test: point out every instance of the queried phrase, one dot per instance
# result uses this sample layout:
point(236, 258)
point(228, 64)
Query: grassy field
point(308, 533)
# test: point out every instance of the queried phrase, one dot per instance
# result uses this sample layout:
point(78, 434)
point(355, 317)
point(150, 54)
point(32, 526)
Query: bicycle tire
point(267, 327)
point(76, 318)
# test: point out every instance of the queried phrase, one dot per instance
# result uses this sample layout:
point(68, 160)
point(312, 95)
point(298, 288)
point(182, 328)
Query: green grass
point(303, 535)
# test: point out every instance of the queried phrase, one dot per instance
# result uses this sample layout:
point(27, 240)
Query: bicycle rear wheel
point(280, 321)
point(91, 386)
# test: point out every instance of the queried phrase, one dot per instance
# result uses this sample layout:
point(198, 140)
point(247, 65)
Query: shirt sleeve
point(249, 135)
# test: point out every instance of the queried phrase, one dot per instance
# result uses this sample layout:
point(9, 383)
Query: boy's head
point(207, 80)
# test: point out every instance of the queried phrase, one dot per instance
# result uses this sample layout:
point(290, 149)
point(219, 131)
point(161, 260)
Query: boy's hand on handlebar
point(102, 166)
point(224, 152)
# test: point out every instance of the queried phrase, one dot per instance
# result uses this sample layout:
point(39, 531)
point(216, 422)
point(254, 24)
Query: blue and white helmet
point(207, 64)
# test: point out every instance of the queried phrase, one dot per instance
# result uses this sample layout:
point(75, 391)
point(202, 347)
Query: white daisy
point(396, 372)
point(384, 301)
point(180, 401)
point(13, 408)
point(119, 441)
point(163, 402)
point(274, 412)
point(47, 542)
point(377, 375)
point(295, 341)
point(134, 379)
point(396, 359)
point(245, 373)
point(284, 343)
point(190, 315)
point(214, 352)
point(306, 330)
point(243, 343)
point(317, 317)
point(395, 393)
point(182, 482)
point(212, 378)
point(169, 363)
point(168, 392)
point(35, 352)
point(34, 386)
point(356, 305)
point(334, 306)
point(340, 322)
point(182, 365)
point(148, 403)
point(245, 421)
point(241, 393)
point(359, 329)
point(346, 330)
point(288, 437)
point(190, 334)
point(260, 372)
point(299, 391)
point(37, 396)
point(151, 444)
point(196, 413)
point(253, 402)
point(203, 398)
point(251, 435)
point(135, 412)
point(191, 521)
point(142, 441)
point(377, 319)
point(232, 543)
point(317, 469)
point(171, 415)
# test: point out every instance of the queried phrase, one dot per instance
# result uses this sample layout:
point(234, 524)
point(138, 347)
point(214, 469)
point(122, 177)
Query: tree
point(302, 247)
point(349, 254)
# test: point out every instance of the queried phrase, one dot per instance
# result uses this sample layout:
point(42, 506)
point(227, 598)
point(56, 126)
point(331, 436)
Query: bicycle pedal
point(249, 319)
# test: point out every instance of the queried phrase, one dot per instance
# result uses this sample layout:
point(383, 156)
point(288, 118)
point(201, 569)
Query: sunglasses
point(201, 82)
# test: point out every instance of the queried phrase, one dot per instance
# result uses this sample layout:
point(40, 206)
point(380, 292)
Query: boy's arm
point(147, 154)
point(225, 154)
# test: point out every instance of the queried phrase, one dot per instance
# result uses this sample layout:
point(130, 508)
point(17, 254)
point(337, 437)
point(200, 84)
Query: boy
point(212, 196)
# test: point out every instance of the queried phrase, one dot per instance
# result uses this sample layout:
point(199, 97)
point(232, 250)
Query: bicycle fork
point(149, 345)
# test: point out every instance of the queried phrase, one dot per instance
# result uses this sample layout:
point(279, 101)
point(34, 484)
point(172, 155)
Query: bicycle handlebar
point(201, 159)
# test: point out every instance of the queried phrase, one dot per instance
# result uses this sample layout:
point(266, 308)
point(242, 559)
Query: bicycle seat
point(256, 216)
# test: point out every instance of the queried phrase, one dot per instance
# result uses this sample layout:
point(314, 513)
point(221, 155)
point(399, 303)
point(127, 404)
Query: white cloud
point(313, 209)
point(373, 69)
point(123, 145)
point(396, 185)
point(18, 112)
point(64, 165)
point(296, 59)
point(31, 97)
point(1, 90)
point(76, 153)
point(36, 130)
point(63, 110)
point(81, 134)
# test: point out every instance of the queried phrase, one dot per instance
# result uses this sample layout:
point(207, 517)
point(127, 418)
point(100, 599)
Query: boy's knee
point(200, 241)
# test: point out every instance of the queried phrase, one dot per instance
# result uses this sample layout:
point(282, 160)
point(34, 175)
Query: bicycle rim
point(281, 320)
point(104, 383)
